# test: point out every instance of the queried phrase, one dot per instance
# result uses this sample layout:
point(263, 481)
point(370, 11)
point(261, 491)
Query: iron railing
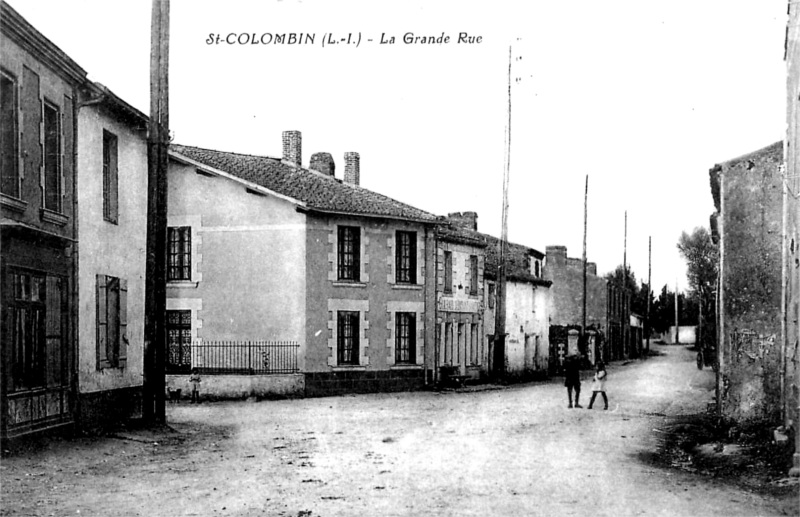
point(237, 357)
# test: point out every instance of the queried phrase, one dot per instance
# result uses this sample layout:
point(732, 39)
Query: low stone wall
point(321, 384)
point(109, 408)
point(240, 386)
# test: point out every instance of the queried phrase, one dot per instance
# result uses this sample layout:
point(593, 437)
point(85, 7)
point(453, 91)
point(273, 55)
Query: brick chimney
point(466, 220)
point(556, 255)
point(323, 163)
point(292, 148)
point(352, 168)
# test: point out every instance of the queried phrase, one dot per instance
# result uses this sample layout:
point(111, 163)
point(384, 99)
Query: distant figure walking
point(572, 378)
point(195, 382)
point(599, 384)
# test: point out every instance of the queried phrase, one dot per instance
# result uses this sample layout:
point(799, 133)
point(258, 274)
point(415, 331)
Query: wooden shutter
point(112, 143)
point(31, 127)
point(123, 322)
point(102, 323)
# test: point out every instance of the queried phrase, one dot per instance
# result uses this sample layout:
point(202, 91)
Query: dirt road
point(510, 451)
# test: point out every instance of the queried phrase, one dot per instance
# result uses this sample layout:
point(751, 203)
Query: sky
point(643, 98)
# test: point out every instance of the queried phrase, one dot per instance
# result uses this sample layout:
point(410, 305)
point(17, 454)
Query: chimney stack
point(352, 168)
point(466, 220)
point(292, 148)
point(323, 163)
point(556, 255)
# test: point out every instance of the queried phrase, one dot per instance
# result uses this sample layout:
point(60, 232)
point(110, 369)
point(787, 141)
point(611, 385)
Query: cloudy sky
point(643, 97)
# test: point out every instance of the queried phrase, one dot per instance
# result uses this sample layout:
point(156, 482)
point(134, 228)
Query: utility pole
point(499, 356)
point(649, 290)
point(625, 299)
point(153, 409)
point(585, 220)
point(677, 328)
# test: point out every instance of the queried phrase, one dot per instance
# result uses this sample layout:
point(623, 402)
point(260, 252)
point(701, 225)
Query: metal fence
point(236, 357)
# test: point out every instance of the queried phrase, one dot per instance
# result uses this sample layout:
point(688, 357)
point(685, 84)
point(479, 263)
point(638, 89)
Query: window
point(536, 268)
point(349, 253)
point(52, 158)
point(112, 322)
point(179, 341)
point(406, 257)
point(448, 271)
point(473, 274)
point(110, 178)
point(347, 337)
point(179, 253)
point(491, 296)
point(9, 136)
point(405, 337)
point(34, 329)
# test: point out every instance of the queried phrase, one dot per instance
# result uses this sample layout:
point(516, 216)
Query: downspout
point(74, 309)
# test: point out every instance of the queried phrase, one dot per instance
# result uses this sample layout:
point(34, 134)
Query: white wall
point(110, 249)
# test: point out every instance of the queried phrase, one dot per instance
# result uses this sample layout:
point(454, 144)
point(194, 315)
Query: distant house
point(112, 222)
point(527, 344)
point(748, 196)
point(38, 103)
point(307, 283)
point(461, 346)
point(566, 309)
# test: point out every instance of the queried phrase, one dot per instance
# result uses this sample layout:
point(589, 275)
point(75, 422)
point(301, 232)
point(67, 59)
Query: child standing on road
point(195, 382)
point(599, 384)
point(572, 379)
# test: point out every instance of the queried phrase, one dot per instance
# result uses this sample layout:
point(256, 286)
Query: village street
point(508, 451)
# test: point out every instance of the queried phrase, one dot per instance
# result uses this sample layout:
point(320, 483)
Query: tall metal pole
point(499, 358)
point(153, 403)
point(649, 290)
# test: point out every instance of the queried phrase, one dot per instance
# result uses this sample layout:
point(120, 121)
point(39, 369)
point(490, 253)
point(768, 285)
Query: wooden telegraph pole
point(153, 410)
point(649, 290)
point(625, 298)
point(585, 216)
point(499, 356)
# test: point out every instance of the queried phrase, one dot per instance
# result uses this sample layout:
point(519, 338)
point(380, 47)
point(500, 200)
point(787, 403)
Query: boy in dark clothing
point(572, 379)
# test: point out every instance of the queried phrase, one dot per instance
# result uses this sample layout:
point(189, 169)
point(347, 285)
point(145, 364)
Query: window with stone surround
point(349, 253)
point(9, 136)
point(405, 338)
point(179, 253)
point(406, 257)
point(179, 341)
point(347, 337)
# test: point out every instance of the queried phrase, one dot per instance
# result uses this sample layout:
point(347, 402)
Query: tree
point(637, 293)
point(701, 255)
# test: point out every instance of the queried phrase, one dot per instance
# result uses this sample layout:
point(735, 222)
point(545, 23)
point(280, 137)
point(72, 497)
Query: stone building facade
point(38, 103)
point(749, 201)
point(791, 255)
point(461, 345)
point(566, 308)
point(342, 275)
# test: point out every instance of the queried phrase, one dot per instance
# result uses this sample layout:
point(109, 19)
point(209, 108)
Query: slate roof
point(318, 192)
point(518, 265)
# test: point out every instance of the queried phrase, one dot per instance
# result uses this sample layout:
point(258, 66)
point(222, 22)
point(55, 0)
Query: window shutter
point(123, 322)
point(113, 178)
point(102, 324)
